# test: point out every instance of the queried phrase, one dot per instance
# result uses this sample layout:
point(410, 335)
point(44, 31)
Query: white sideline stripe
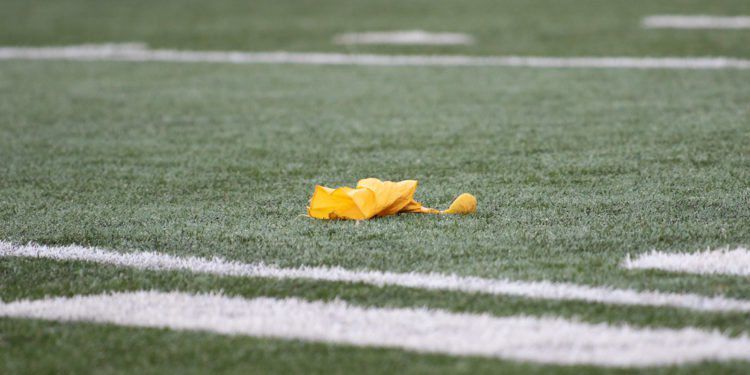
point(428, 281)
point(721, 262)
point(409, 37)
point(546, 340)
point(136, 52)
point(695, 22)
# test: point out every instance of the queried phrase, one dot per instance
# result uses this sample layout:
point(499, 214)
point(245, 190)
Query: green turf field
point(523, 27)
point(573, 169)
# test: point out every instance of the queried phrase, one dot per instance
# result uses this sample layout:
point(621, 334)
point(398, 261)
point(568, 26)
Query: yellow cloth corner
point(464, 204)
point(373, 197)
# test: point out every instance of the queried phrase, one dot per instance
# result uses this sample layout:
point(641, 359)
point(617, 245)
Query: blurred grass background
point(507, 27)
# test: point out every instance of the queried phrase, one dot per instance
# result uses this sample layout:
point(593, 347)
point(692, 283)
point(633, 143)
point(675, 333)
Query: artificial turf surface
point(573, 169)
point(522, 27)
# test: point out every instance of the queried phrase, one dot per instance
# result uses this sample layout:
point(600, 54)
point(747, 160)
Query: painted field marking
point(408, 37)
point(136, 53)
point(546, 340)
point(710, 262)
point(427, 281)
point(695, 22)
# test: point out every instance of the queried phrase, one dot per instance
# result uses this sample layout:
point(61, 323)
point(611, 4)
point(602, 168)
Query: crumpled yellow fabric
point(373, 198)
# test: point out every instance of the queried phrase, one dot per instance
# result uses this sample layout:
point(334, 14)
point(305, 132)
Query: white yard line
point(546, 340)
point(409, 37)
point(721, 262)
point(135, 52)
point(429, 281)
point(695, 22)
